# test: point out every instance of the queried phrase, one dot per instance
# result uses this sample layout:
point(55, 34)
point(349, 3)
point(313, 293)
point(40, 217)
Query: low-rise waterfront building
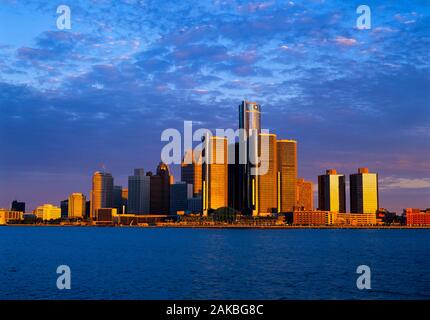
point(48, 212)
point(417, 217)
point(10, 216)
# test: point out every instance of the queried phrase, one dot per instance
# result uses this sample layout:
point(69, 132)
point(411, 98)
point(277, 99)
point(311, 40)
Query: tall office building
point(287, 174)
point(102, 192)
point(180, 192)
point(138, 192)
point(17, 206)
point(64, 205)
point(250, 123)
point(331, 192)
point(117, 199)
point(266, 189)
point(191, 171)
point(214, 173)
point(160, 190)
point(77, 206)
point(304, 195)
point(234, 186)
point(363, 188)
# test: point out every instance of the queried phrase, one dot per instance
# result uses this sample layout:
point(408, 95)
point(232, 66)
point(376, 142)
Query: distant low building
point(417, 217)
point(48, 212)
point(105, 215)
point(10, 216)
point(356, 219)
point(314, 218)
point(325, 218)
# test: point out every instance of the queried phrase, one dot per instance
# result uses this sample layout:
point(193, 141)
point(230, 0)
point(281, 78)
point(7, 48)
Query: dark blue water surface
point(156, 263)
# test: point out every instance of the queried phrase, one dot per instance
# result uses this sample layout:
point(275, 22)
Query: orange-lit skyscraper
point(266, 189)
point(287, 174)
point(214, 173)
point(77, 203)
point(331, 192)
point(304, 195)
point(191, 171)
point(363, 188)
point(102, 192)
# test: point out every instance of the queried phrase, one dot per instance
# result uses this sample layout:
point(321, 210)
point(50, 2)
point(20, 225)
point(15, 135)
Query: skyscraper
point(117, 199)
point(77, 205)
point(250, 123)
point(191, 171)
point(160, 190)
point(363, 189)
point(331, 192)
point(304, 195)
point(266, 189)
point(64, 205)
point(139, 192)
point(180, 192)
point(287, 174)
point(102, 192)
point(214, 173)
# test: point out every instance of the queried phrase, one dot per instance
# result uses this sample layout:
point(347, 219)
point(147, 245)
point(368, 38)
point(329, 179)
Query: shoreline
point(224, 226)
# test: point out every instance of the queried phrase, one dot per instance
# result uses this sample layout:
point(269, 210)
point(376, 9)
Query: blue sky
point(102, 92)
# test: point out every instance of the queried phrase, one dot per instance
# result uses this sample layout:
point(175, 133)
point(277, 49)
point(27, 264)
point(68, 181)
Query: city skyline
point(97, 95)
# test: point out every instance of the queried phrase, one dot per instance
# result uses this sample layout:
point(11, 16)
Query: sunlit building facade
point(304, 195)
point(48, 212)
point(331, 192)
point(287, 174)
point(10, 216)
point(363, 187)
point(265, 191)
point(102, 192)
point(215, 173)
point(76, 206)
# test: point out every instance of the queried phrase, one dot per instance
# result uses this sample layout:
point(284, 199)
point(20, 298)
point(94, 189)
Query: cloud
point(404, 183)
point(345, 41)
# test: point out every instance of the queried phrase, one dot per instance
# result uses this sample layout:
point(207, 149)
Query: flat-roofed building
point(10, 216)
point(139, 186)
point(314, 218)
point(215, 173)
point(356, 219)
point(180, 192)
point(287, 174)
point(101, 192)
point(304, 195)
point(48, 212)
point(266, 190)
point(363, 187)
point(417, 217)
point(331, 192)
point(77, 206)
point(105, 215)
point(191, 171)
